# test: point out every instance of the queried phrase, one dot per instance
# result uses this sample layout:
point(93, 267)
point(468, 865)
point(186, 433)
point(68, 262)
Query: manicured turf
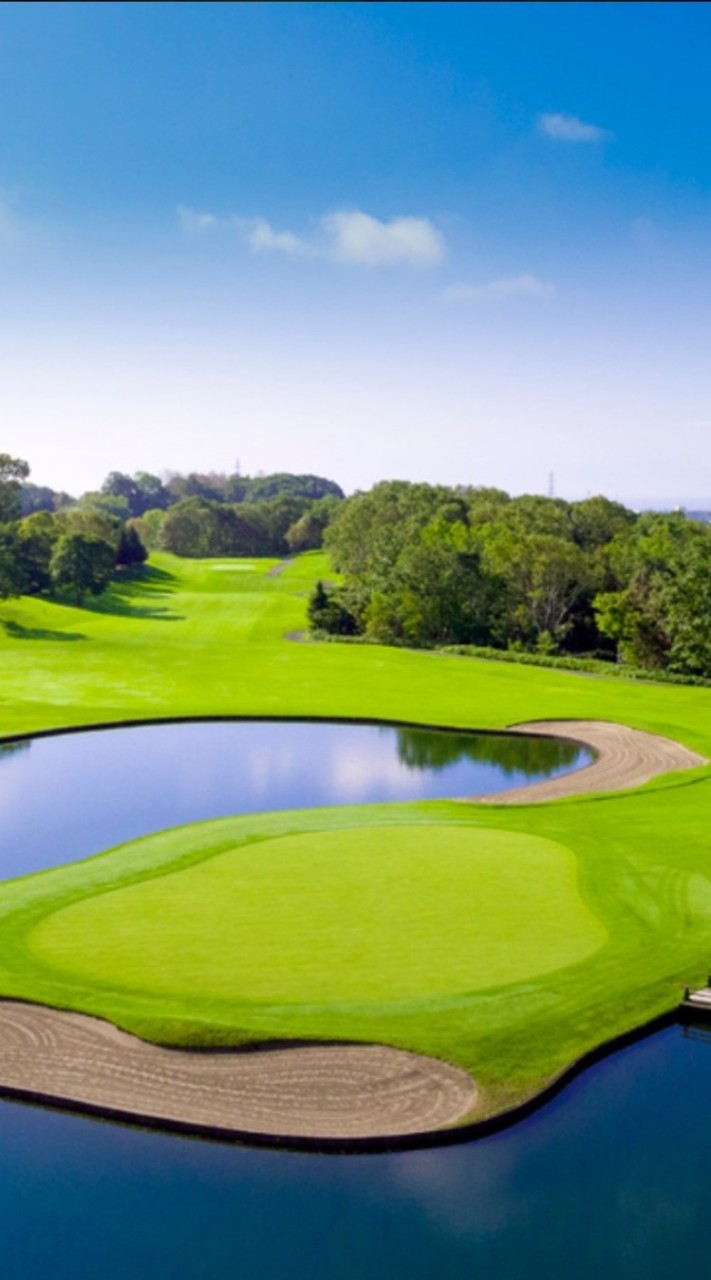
point(351, 917)
point(633, 892)
point(184, 639)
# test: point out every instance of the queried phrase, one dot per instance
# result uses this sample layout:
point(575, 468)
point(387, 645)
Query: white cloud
point(358, 237)
point(191, 220)
point(343, 236)
point(525, 286)
point(566, 128)
point(262, 237)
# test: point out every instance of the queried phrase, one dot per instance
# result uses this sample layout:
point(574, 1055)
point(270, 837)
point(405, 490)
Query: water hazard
point(66, 797)
point(609, 1179)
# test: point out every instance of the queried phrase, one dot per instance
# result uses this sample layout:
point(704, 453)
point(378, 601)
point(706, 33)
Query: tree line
point(212, 514)
point(53, 543)
point(431, 566)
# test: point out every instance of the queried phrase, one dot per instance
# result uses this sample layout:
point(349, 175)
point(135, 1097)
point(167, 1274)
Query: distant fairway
point(354, 916)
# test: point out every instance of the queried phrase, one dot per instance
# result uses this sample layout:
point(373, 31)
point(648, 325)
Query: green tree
point(187, 528)
point(284, 483)
point(140, 492)
point(534, 513)
point(596, 521)
point(106, 503)
point(306, 533)
point(131, 550)
point(661, 567)
point(82, 563)
point(688, 612)
point(38, 534)
point(148, 527)
point(36, 497)
point(13, 578)
point(92, 521)
point(327, 612)
point(542, 577)
point(12, 472)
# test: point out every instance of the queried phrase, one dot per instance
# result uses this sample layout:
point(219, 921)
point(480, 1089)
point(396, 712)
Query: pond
point(611, 1178)
point(608, 1178)
point(65, 797)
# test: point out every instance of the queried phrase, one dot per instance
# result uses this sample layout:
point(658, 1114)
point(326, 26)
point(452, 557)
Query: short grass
point(352, 918)
point(183, 638)
point(392, 923)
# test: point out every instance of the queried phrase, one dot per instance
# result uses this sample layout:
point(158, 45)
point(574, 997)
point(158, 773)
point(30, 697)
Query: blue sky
point(456, 242)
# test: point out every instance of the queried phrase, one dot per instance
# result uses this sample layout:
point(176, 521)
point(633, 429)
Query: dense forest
point(205, 515)
point(430, 566)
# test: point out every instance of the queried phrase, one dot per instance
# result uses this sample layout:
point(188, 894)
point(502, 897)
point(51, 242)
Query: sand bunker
point(625, 758)
point(328, 1092)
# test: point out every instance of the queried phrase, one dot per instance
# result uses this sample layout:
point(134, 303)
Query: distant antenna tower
point(551, 484)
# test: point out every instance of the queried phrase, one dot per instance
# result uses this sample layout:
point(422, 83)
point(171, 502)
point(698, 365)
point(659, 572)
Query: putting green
point(349, 916)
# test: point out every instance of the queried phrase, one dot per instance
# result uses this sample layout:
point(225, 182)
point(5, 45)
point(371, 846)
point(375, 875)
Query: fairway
point(355, 916)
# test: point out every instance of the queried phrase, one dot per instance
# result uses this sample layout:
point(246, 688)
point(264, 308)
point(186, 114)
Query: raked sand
point(624, 758)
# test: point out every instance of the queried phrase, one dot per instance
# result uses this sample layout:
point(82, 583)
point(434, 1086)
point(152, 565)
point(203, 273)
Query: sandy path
point(320, 1091)
point(625, 758)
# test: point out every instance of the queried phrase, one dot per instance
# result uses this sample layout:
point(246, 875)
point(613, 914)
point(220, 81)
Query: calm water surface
point(608, 1182)
point(63, 798)
point(611, 1179)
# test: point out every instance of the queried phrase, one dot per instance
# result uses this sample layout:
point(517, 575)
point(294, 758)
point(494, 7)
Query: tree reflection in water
point(8, 749)
point(512, 753)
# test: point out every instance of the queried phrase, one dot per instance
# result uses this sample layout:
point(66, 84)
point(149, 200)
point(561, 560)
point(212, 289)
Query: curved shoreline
point(164, 1120)
point(314, 1096)
point(322, 1093)
point(624, 758)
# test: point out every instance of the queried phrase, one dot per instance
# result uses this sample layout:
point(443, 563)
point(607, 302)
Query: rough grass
point(184, 638)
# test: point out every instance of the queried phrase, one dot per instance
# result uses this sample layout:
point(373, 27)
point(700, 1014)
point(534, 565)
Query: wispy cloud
point(261, 237)
point(348, 235)
point(191, 220)
point(358, 237)
point(526, 286)
point(567, 128)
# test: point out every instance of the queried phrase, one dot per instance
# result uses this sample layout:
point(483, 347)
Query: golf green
point(352, 915)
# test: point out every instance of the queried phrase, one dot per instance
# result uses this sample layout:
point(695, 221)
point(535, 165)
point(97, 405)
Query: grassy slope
point(189, 640)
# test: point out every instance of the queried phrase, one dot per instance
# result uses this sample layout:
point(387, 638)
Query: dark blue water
point(609, 1181)
point(63, 798)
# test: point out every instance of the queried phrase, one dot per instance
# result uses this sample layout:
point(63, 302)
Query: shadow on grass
point(17, 632)
point(133, 592)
